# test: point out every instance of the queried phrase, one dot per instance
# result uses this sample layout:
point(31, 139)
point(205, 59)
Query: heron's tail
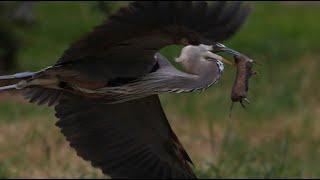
point(15, 81)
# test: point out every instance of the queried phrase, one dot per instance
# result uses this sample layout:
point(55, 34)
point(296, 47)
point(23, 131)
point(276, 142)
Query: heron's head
point(192, 55)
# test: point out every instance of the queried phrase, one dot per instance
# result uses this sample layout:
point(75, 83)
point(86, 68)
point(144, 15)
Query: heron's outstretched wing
point(127, 140)
point(125, 44)
point(134, 139)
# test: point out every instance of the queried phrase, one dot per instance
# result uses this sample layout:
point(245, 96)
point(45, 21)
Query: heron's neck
point(208, 72)
point(199, 68)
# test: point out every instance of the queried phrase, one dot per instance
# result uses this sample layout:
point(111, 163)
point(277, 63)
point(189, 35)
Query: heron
point(105, 88)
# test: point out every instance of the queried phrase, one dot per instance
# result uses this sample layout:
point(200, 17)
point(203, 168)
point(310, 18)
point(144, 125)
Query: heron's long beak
point(230, 51)
point(220, 58)
point(227, 61)
point(223, 48)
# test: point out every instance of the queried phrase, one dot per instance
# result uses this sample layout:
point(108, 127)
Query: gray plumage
point(203, 70)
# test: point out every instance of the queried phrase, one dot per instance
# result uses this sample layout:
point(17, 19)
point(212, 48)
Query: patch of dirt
point(36, 149)
point(13, 95)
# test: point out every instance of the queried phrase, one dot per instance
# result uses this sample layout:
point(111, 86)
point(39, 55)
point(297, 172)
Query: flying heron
point(105, 86)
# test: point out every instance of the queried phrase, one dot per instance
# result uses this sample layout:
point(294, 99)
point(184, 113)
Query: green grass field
point(277, 136)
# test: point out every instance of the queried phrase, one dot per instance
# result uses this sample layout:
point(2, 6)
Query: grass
point(276, 137)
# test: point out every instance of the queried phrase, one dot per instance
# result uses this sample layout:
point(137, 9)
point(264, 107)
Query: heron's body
point(105, 87)
point(162, 77)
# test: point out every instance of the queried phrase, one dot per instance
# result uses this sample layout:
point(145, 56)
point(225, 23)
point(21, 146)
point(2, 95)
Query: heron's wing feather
point(42, 96)
point(128, 140)
point(125, 44)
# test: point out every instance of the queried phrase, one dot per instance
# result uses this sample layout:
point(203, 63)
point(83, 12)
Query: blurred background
point(277, 136)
